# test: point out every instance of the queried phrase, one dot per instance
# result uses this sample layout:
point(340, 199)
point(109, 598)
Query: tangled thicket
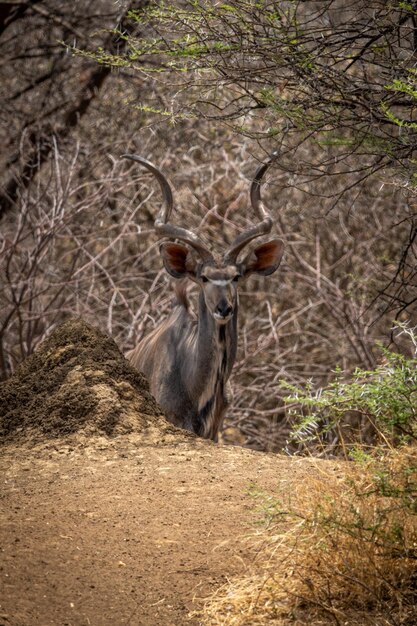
point(76, 235)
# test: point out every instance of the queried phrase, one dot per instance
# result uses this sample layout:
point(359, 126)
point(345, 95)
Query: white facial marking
point(220, 283)
point(222, 318)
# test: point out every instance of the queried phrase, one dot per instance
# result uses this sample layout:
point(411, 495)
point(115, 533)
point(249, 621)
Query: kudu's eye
point(236, 278)
point(204, 279)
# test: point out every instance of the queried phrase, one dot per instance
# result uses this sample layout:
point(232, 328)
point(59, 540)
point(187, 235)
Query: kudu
point(188, 362)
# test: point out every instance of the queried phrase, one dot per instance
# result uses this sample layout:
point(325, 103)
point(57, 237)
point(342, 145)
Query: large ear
point(178, 260)
point(265, 258)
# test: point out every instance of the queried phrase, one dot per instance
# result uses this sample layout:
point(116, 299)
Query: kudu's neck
point(215, 347)
point(215, 339)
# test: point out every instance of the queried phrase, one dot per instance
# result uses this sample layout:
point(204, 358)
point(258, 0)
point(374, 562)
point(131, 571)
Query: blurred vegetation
point(383, 401)
point(339, 74)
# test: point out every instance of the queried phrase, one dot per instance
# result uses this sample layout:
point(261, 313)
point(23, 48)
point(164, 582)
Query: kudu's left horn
point(162, 224)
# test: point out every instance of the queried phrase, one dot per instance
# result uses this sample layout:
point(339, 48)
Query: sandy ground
point(99, 531)
point(109, 514)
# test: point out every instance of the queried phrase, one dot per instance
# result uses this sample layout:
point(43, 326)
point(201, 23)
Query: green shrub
point(375, 407)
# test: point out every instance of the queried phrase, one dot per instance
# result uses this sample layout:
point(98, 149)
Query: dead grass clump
point(342, 550)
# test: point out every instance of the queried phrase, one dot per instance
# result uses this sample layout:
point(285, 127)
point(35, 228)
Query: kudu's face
point(219, 286)
point(219, 280)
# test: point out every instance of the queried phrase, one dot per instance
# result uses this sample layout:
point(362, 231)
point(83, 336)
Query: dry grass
point(341, 550)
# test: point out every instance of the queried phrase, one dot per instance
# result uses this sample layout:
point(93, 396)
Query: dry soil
point(109, 515)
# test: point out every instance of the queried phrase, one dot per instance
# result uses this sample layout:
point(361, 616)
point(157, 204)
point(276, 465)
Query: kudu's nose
point(224, 309)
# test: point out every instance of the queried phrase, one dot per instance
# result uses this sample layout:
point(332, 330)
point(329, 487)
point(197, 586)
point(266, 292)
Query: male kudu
point(188, 362)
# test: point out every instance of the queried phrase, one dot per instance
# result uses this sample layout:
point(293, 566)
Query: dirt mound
point(77, 381)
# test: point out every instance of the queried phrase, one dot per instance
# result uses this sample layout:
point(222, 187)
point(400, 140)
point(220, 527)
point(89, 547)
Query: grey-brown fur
point(188, 363)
